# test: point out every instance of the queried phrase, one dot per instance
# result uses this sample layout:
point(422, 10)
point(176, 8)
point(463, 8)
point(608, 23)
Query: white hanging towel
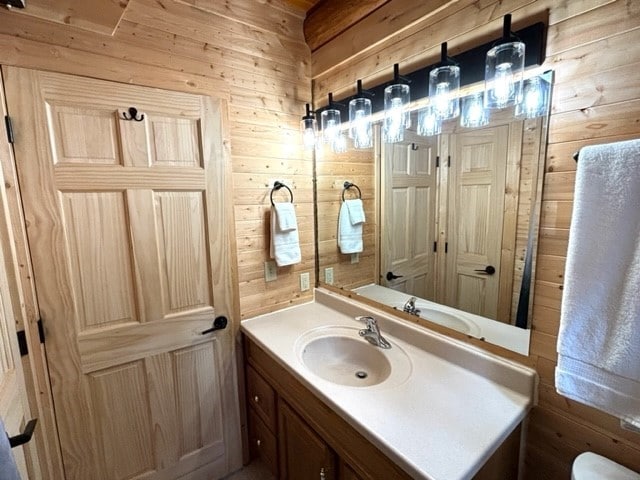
point(285, 243)
point(350, 223)
point(599, 337)
point(8, 468)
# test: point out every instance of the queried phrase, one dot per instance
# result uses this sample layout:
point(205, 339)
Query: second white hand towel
point(349, 234)
point(599, 337)
point(285, 244)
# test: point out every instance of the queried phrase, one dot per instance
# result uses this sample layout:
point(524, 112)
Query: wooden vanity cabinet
point(310, 437)
point(301, 438)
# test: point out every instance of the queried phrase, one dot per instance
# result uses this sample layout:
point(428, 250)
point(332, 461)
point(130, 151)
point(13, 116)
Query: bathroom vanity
point(325, 404)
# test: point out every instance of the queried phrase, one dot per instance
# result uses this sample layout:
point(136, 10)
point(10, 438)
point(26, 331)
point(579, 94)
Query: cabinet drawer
point(262, 443)
point(262, 398)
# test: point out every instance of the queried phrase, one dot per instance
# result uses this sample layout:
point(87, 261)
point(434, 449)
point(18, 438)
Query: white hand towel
point(286, 215)
point(285, 245)
point(8, 469)
point(356, 211)
point(599, 337)
point(349, 235)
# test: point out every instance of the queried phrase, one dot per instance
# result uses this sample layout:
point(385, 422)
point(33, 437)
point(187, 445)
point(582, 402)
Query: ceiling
point(304, 5)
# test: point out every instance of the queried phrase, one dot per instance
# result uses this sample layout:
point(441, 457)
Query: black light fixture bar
point(471, 62)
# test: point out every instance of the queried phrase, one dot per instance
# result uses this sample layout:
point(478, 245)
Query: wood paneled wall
point(251, 53)
point(594, 48)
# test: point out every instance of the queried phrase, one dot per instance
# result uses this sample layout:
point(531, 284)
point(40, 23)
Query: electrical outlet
point(355, 258)
point(304, 281)
point(328, 275)
point(270, 271)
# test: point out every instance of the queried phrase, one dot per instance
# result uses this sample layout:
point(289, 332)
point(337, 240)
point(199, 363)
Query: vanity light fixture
point(444, 86)
point(535, 98)
point(428, 122)
point(473, 112)
point(330, 122)
point(309, 127)
point(504, 70)
point(396, 103)
point(360, 130)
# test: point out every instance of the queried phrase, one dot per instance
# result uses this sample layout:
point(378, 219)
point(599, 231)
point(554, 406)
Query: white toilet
point(589, 466)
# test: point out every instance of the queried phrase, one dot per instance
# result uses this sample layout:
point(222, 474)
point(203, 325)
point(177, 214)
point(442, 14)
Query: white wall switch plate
point(304, 281)
point(270, 271)
point(355, 257)
point(328, 275)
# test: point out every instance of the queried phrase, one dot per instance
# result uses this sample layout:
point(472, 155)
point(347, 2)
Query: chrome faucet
point(410, 307)
point(372, 333)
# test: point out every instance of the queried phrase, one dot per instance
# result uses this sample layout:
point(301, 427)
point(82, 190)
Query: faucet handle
point(370, 321)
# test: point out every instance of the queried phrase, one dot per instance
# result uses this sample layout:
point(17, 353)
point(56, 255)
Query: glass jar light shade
point(330, 122)
point(535, 98)
point(473, 112)
point(504, 70)
point(339, 144)
point(360, 130)
point(428, 122)
point(444, 91)
point(396, 115)
point(308, 128)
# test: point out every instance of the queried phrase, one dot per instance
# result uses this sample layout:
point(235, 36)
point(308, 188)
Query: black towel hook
point(277, 186)
point(133, 115)
point(347, 186)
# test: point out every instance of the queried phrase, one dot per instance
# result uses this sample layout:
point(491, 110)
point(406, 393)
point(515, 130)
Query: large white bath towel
point(599, 338)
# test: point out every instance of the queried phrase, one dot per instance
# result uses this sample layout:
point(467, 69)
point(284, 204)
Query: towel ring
point(347, 186)
point(277, 186)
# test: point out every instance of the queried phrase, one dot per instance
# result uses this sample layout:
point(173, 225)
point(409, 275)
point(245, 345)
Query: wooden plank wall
point(251, 53)
point(332, 170)
point(594, 48)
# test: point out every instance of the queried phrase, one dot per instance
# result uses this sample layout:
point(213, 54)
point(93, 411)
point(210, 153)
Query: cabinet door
point(347, 473)
point(303, 454)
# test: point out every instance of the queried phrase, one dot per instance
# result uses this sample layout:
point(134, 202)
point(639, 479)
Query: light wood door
point(14, 405)
point(14, 409)
point(476, 206)
point(130, 230)
point(408, 215)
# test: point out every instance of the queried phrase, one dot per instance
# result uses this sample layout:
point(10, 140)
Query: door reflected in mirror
point(451, 219)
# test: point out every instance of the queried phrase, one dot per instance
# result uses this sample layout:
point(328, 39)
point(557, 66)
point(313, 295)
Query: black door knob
point(391, 276)
point(488, 270)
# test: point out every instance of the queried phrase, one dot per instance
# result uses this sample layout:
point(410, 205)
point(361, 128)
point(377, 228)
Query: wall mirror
point(451, 221)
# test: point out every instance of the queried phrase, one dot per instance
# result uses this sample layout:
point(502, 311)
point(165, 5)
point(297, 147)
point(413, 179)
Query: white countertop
point(495, 332)
point(443, 422)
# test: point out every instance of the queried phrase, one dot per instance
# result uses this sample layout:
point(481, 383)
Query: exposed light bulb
point(361, 130)
point(473, 112)
point(428, 122)
point(339, 144)
point(503, 87)
point(441, 99)
point(394, 122)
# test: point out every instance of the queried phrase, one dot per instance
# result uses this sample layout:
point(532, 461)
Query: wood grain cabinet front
point(262, 398)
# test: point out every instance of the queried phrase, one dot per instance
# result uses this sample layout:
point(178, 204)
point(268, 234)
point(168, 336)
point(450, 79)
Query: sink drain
point(360, 374)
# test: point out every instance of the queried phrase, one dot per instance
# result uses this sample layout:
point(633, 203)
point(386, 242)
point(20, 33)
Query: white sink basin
point(339, 355)
point(456, 322)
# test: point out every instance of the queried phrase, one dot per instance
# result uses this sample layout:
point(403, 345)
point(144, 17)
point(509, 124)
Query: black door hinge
point(9, 127)
point(22, 339)
point(22, 343)
point(435, 246)
point(437, 161)
point(449, 161)
point(40, 330)
point(446, 247)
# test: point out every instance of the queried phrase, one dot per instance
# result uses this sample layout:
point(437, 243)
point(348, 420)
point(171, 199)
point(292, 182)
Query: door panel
point(409, 175)
point(128, 228)
point(477, 184)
